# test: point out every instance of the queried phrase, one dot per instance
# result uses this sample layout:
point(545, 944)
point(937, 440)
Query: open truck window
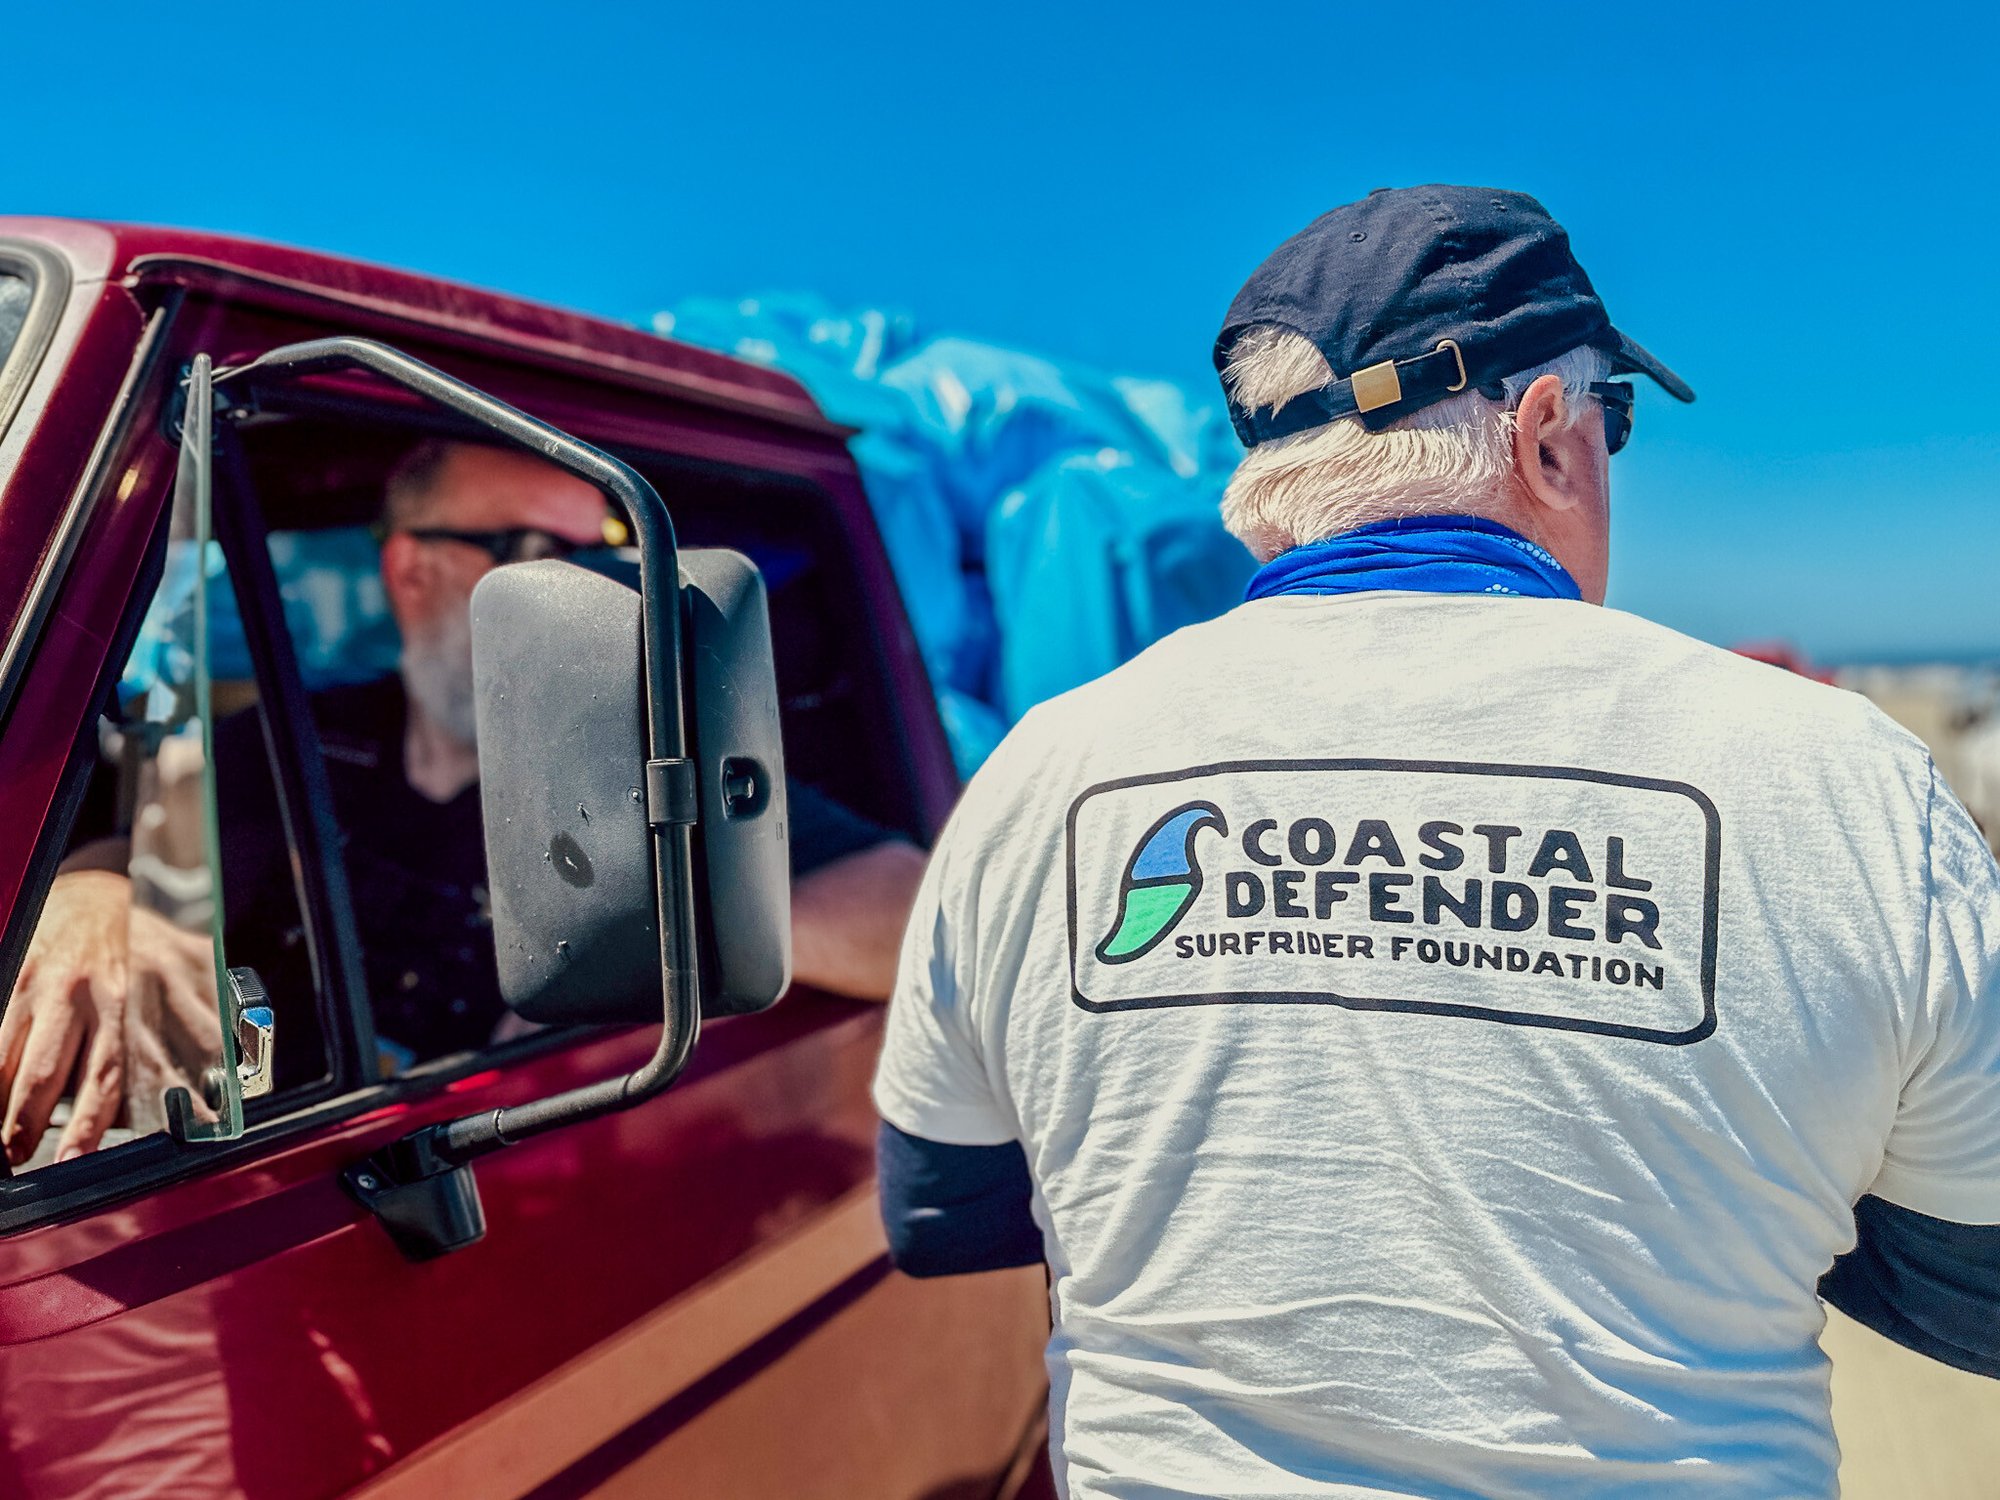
point(375, 603)
point(355, 508)
point(358, 904)
point(320, 488)
point(320, 485)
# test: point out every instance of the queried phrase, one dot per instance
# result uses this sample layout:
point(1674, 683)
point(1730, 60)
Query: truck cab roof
point(390, 301)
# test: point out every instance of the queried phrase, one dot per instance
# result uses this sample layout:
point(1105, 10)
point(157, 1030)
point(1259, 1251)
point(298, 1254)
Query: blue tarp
point(1092, 559)
point(1046, 521)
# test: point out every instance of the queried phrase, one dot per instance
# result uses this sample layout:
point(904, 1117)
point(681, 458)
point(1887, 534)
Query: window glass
point(174, 1034)
point(147, 891)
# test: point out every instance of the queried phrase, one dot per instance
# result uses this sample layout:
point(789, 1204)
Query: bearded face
point(437, 670)
point(429, 573)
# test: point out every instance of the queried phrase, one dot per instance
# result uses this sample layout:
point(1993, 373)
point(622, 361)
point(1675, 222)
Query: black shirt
point(416, 870)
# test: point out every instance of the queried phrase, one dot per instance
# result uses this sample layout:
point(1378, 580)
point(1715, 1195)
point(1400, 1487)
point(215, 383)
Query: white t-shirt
point(1448, 1035)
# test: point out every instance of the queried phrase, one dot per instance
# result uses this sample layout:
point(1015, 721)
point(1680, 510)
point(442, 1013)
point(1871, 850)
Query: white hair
point(1449, 458)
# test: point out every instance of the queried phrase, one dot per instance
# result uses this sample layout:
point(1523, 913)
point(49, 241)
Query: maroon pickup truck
point(308, 1269)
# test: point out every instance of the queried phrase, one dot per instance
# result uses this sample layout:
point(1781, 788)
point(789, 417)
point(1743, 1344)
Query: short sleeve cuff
point(947, 1123)
point(1950, 1198)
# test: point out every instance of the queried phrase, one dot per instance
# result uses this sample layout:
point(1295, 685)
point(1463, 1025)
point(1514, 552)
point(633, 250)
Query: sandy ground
point(1910, 1429)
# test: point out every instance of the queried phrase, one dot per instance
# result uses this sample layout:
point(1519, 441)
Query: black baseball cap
point(1415, 294)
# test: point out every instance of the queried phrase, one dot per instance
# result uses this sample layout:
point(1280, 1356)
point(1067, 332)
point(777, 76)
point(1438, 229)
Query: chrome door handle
point(256, 1029)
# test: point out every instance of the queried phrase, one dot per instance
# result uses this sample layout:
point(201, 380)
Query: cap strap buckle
point(1377, 386)
point(1371, 393)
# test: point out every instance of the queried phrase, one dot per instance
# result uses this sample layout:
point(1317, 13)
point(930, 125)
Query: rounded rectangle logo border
point(1711, 907)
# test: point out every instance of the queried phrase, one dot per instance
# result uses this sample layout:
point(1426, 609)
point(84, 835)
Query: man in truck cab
point(402, 760)
point(1440, 1032)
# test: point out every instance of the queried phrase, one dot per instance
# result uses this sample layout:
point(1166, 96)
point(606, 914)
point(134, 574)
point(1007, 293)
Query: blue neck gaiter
point(1423, 554)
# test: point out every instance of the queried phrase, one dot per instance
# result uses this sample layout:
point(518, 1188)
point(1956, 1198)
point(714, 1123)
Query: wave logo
point(1160, 882)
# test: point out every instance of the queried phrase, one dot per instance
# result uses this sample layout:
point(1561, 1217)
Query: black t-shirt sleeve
point(952, 1209)
point(1929, 1284)
point(824, 831)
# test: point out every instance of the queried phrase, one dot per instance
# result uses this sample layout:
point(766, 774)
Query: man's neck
point(436, 762)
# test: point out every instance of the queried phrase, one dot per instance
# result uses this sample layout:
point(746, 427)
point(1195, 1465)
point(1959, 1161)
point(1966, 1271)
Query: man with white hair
point(1440, 1033)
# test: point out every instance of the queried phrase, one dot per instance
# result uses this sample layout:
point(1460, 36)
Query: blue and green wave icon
point(1160, 882)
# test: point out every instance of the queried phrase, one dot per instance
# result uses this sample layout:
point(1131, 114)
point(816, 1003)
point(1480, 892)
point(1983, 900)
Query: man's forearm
point(848, 919)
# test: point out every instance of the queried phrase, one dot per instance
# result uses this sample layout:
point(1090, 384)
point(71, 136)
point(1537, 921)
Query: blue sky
point(1795, 207)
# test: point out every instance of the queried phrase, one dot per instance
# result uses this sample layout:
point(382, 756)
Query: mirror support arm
point(420, 1186)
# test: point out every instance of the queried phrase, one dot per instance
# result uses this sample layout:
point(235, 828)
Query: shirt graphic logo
point(1542, 896)
point(1161, 880)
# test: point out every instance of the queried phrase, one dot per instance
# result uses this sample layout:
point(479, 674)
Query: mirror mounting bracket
point(428, 1205)
point(421, 1186)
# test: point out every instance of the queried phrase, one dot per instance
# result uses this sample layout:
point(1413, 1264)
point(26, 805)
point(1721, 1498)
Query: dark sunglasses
point(521, 543)
point(516, 544)
point(1616, 396)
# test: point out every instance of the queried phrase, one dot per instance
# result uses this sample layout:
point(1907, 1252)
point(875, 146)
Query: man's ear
point(1556, 465)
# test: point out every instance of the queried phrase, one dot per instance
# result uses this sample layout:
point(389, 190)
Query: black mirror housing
point(559, 683)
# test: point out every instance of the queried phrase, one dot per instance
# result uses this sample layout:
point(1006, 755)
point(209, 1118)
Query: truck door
point(689, 1296)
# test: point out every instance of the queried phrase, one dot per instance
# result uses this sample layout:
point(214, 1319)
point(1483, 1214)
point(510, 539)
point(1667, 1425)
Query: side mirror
point(559, 690)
